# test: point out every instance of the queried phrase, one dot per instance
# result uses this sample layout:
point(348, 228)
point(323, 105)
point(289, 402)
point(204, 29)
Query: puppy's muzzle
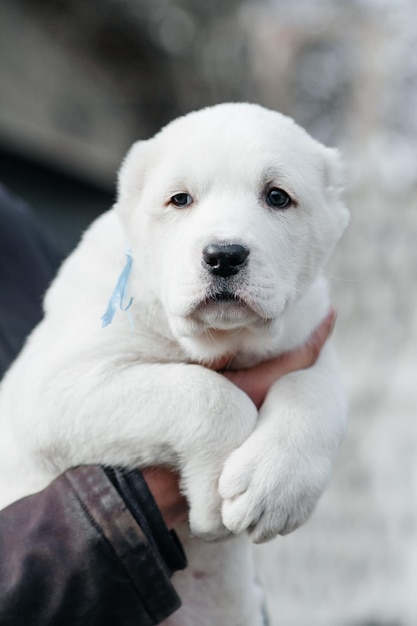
point(224, 259)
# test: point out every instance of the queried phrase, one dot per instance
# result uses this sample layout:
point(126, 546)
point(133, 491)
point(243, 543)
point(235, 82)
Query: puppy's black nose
point(224, 259)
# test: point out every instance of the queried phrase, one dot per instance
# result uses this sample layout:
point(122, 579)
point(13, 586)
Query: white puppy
point(230, 214)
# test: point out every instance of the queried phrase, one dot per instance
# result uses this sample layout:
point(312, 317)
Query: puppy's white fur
point(136, 396)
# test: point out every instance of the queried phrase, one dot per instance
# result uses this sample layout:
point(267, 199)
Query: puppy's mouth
point(224, 310)
point(223, 296)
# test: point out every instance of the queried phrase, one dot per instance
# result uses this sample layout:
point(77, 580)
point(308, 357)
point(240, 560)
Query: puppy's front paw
point(268, 490)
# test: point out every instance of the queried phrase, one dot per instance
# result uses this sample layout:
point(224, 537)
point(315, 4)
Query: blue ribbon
point(118, 296)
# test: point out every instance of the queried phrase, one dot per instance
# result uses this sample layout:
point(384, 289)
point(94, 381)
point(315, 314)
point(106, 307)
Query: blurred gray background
point(80, 80)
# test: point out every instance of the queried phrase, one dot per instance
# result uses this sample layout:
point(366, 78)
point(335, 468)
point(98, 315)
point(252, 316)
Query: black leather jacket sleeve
point(28, 263)
point(90, 549)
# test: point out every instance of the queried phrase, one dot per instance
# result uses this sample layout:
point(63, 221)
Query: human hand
point(163, 483)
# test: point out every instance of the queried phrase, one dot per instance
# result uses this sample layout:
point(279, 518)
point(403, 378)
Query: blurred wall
point(86, 79)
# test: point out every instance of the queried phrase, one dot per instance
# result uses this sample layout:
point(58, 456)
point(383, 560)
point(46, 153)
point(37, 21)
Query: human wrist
point(163, 483)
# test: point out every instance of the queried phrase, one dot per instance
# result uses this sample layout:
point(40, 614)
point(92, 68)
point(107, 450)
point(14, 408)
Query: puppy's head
point(231, 213)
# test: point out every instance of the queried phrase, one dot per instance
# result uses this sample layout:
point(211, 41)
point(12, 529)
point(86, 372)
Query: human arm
point(91, 548)
point(78, 552)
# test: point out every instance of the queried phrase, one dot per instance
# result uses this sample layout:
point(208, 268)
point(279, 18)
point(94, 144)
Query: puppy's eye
point(278, 198)
point(181, 200)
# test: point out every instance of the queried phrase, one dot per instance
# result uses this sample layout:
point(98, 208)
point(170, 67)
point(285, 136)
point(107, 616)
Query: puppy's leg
point(272, 482)
point(132, 415)
point(219, 586)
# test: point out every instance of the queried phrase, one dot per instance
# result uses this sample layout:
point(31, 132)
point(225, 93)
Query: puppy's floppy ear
point(334, 175)
point(131, 176)
point(333, 169)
